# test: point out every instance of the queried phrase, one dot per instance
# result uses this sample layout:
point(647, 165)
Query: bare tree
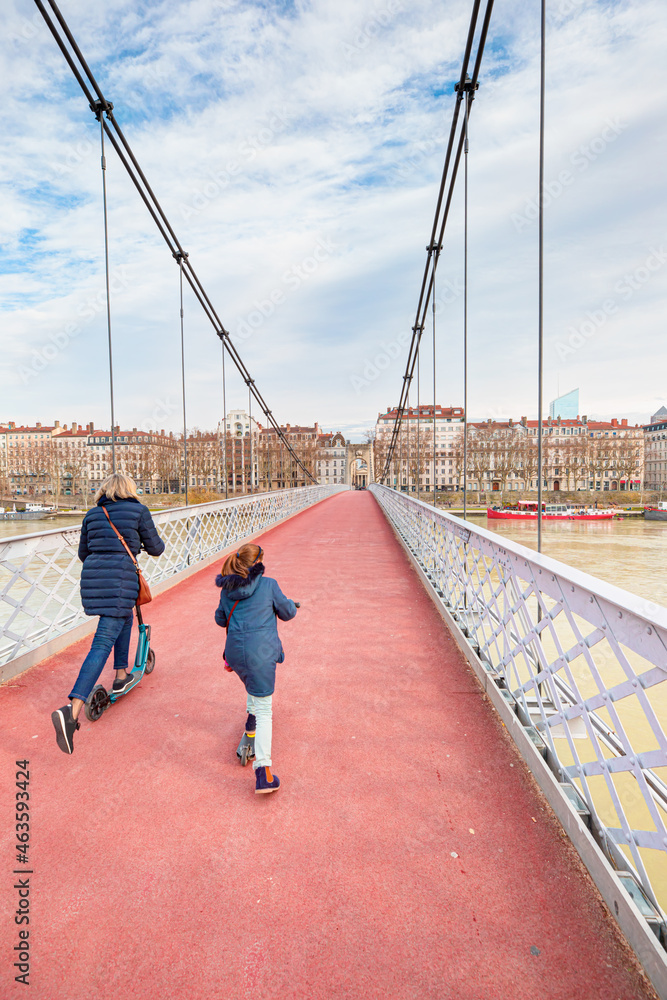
point(480, 455)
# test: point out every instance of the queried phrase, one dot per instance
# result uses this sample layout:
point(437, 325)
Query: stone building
point(655, 451)
point(577, 454)
point(331, 461)
point(427, 450)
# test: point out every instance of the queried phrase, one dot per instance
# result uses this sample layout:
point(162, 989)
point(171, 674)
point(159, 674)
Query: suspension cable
point(250, 432)
point(103, 162)
point(465, 84)
point(465, 310)
point(435, 464)
point(540, 280)
point(118, 140)
point(408, 445)
point(224, 418)
point(181, 255)
point(418, 424)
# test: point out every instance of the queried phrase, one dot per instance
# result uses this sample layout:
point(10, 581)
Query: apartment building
point(655, 451)
point(427, 450)
point(331, 459)
point(577, 454)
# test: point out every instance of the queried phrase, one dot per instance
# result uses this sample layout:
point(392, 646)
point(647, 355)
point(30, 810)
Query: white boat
point(32, 512)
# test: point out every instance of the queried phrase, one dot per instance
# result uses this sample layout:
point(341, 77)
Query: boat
point(32, 512)
point(526, 510)
point(658, 513)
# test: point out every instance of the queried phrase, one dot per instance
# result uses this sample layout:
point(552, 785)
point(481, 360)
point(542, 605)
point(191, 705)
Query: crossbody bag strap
point(123, 542)
point(229, 617)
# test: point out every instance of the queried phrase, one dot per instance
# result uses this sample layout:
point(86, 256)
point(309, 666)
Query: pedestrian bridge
point(463, 812)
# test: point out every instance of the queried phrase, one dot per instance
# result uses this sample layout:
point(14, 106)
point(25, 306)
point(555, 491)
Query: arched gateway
point(360, 465)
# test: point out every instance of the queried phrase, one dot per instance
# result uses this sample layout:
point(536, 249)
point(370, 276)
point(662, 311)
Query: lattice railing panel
point(39, 573)
point(580, 660)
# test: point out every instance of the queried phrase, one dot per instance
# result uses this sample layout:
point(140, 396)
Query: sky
point(297, 148)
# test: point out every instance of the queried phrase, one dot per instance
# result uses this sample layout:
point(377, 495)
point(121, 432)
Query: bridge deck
point(408, 854)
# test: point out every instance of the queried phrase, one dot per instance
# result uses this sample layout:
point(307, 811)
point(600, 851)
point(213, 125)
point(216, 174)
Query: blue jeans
point(112, 633)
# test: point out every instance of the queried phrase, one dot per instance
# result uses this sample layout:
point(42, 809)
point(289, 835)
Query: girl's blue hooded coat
point(253, 645)
point(109, 584)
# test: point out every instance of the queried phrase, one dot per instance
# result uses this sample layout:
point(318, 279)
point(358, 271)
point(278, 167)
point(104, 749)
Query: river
point(10, 529)
point(631, 553)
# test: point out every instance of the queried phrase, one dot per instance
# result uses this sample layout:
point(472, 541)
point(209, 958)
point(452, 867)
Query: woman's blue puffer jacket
point(109, 584)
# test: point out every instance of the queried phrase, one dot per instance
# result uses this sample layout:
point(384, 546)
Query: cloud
point(266, 129)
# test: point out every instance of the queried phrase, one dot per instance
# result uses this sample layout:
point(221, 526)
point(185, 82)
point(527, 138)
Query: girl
point(109, 588)
point(248, 606)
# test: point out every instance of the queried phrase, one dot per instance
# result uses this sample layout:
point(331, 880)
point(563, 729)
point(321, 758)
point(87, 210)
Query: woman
point(109, 588)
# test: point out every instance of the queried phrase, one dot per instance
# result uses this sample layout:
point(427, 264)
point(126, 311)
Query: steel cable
point(101, 107)
point(540, 280)
point(224, 418)
point(435, 463)
point(185, 423)
point(441, 216)
point(108, 292)
point(465, 310)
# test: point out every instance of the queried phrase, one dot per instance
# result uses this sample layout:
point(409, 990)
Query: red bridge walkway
point(407, 855)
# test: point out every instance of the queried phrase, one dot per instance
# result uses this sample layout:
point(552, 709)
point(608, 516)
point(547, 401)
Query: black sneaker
point(119, 687)
point(65, 726)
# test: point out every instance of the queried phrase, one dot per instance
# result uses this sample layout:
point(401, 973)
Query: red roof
point(27, 430)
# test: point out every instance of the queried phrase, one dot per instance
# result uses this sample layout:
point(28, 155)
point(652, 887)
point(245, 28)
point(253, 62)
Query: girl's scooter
point(99, 698)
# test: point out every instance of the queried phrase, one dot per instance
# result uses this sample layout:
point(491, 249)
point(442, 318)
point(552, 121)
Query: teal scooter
point(99, 698)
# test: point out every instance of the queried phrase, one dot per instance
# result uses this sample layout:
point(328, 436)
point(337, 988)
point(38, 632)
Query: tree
point(480, 457)
point(629, 461)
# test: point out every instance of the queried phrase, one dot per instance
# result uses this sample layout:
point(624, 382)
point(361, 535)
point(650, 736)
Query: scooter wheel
point(150, 662)
point(96, 703)
point(244, 755)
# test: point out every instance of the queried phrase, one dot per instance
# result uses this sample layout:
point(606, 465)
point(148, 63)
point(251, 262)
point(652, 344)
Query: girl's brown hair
point(240, 562)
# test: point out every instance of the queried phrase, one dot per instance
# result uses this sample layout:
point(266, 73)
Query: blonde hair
point(241, 561)
point(117, 487)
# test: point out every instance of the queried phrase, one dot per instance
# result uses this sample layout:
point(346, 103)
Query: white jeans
point(261, 709)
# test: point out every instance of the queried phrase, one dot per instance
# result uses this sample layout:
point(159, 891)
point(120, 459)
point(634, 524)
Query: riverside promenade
point(407, 856)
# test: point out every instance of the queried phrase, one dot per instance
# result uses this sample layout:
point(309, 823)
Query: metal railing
point(581, 662)
point(39, 573)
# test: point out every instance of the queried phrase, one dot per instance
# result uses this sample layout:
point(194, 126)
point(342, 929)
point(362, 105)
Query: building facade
point(655, 451)
point(331, 460)
point(428, 451)
point(577, 454)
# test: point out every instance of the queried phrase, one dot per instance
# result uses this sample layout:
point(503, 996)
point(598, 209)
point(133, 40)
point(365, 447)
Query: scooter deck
point(137, 673)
